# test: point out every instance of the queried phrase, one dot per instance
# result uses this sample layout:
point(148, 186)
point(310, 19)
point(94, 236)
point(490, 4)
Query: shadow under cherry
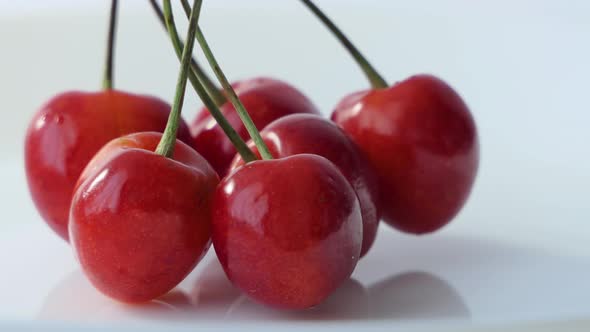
point(407, 296)
point(415, 281)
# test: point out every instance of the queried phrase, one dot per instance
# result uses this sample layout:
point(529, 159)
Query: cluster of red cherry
point(141, 208)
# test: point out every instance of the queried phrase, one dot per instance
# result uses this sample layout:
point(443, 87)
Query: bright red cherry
point(139, 221)
point(422, 140)
point(66, 133)
point(287, 231)
point(265, 99)
point(309, 133)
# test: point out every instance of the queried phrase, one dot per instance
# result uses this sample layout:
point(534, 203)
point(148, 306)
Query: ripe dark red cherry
point(66, 133)
point(422, 140)
point(308, 133)
point(139, 221)
point(265, 99)
point(287, 231)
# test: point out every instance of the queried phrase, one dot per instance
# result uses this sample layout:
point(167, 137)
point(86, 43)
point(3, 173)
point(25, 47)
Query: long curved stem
point(212, 88)
point(229, 131)
point(373, 76)
point(107, 80)
point(168, 141)
point(233, 97)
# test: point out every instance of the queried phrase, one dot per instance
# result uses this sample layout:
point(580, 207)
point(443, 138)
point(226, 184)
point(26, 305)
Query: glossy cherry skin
point(422, 140)
point(140, 222)
point(66, 133)
point(308, 133)
point(287, 231)
point(265, 99)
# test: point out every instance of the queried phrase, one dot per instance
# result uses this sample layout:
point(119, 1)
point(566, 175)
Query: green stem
point(376, 80)
point(186, 6)
point(233, 97)
point(107, 81)
point(168, 141)
point(212, 89)
point(241, 146)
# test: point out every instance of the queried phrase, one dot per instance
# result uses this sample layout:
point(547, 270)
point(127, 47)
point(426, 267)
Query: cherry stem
point(168, 141)
point(212, 88)
point(107, 81)
point(375, 79)
point(233, 97)
point(211, 106)
point(186, 6)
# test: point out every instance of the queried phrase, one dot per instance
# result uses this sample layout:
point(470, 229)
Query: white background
point(522, 66)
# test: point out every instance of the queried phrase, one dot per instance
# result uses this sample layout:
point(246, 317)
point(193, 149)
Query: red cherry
point(66, 133)
point(308, 133)
point(265, 99)
point(422, 140)
point(287, 231)
point(140, 222)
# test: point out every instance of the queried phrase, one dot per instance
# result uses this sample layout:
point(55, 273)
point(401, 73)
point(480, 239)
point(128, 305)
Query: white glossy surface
point(454, 278)
point(517, 254)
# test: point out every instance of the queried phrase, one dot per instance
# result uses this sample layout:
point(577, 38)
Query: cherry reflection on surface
point(74, 299)
point(209, 295)
point(456, 278)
